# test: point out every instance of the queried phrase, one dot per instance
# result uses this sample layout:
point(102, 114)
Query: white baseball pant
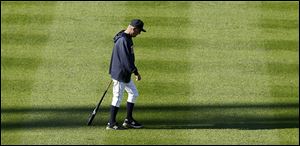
point(118, 90)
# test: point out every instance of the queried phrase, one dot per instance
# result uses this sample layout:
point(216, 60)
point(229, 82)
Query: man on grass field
point(121, 67)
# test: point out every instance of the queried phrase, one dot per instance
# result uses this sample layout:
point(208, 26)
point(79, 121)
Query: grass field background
point(212, 72)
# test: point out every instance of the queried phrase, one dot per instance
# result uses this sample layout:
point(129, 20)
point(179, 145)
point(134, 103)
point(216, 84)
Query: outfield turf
point(212, 72)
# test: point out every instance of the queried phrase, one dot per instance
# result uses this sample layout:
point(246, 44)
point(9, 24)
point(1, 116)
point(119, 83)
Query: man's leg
point(118, 89)
point(132, 95)
point(132, 91)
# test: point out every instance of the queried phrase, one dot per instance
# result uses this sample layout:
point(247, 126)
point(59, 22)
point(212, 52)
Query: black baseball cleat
point(131, 124)
point(113, 126)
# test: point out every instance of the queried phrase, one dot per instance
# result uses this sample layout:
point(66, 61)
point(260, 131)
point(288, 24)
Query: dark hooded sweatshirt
point(122, 58)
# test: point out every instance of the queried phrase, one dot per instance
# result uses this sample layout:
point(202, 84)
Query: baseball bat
point(93, 114)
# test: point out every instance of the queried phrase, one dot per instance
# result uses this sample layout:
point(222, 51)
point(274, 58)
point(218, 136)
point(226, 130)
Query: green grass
point(212, 72)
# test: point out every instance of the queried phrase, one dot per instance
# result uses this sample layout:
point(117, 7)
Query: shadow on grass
point(237, 116)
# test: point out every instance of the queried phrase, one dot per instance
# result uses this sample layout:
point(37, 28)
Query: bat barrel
point(92, 116)
point(90, 120)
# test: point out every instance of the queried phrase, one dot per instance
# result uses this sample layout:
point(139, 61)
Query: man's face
point(136, 31)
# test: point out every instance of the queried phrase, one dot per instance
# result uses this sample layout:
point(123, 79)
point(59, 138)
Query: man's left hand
point(138, 77)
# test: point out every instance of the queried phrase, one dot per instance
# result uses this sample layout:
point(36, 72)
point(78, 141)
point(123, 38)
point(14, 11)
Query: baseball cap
point(138, 24)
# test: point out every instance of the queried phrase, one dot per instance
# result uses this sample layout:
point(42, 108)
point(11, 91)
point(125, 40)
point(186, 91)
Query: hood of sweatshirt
point(118, 35)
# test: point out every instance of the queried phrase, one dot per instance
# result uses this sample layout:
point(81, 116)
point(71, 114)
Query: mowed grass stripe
point(231, 57)
point(20, 58)
point(244, 74)
point(220, 61)
point(283, 59)
point(70, 66)
point(18, 61)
